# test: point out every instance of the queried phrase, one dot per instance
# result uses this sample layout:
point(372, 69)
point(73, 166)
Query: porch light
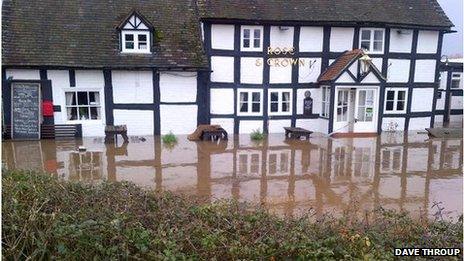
point(365, 63)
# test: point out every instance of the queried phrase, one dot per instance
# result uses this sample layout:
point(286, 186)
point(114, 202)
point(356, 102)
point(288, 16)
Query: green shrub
point(257, 135)
point(47, 218)
point(169, 138)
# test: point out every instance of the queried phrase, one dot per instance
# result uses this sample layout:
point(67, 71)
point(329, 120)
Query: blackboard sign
point(25, 110)
point(308, 106)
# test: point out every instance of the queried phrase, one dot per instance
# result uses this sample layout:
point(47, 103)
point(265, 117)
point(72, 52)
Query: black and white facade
point(244, 73)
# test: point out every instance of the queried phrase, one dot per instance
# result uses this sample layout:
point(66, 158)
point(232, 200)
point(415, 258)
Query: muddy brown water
point(395, 170)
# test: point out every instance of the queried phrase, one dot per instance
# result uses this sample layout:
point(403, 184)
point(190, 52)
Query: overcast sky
point(452, 45)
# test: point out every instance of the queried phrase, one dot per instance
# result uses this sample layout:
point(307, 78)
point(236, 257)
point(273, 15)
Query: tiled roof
point(339, 65)
point(406, 12)
point(84, 33)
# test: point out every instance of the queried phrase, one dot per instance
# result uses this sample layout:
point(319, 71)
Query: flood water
point(395, 170)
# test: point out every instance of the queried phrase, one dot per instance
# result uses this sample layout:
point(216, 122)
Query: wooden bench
point(218, 134)
point(111, 133)
point(296, 133)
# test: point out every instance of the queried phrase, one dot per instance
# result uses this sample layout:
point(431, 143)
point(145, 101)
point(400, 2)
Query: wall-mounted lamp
point(365, 63)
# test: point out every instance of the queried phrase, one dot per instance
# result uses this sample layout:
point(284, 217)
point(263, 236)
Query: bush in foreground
point(45, 218)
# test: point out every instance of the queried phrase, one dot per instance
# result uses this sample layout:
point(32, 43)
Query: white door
point(366, 110)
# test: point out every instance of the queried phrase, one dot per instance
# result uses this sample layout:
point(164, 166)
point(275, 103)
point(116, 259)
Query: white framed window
point(325, 111)
point(249, 102)
point(83, 105)
point(280, 101)
point(135, 41)
point(372, 40)
point(342, 105)
point(396, 100)
point(251, 38)
point(249, 163)
point(455, 81)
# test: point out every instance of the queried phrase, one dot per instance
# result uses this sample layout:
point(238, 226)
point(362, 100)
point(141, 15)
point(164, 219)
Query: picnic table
point(112, 131)
point(296, 133)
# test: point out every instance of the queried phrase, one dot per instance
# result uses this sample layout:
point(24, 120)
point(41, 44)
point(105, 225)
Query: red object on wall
point(47, 108)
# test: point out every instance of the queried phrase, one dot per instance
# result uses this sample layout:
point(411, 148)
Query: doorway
point(356, 110)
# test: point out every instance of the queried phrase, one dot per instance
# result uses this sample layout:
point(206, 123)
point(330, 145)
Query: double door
point(356, 109)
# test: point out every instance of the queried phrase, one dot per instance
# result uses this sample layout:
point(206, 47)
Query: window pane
point(390, 95)
point(243, 164)
point(257, 34)
point(129, 37)
point(246, 43)
point(286, 107)
point(256, 43)
point(274, 96)
point(389, 106)
point(83, 113)
point(378, 46)
point(256, 97)
point(361, 114)
point(365, 45)
point(95, 113)
point(243, 102)
point(142, 37)
point(274, 107)
point(285, 96)
point(455, 83)
point(82, 98)
point(72, 114)
point(401, 95)
point(246, 33)
point(129, 45)
point(365, 35)
point(400, 106)
point(94, 98)
point(255, 107)
point(70, 98)
point(378, 35)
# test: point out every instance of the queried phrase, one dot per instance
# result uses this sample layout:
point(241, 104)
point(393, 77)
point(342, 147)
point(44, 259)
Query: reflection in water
point(404, 172)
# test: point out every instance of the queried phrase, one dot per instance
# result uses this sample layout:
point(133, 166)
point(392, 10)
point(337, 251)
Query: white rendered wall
point(393, 124)
point(398, 70)
point(60, 81)
point(427, 42)
point(180, 119)
point(422, 99)
point(277, 126)
point(310, 70)
point(400, 42)
point(345, 78)
point(281, 38)
point(222, 101)
point(419, 123)
point(23, 74)
point(139, 122)
point(316, 125)
point(280, 74)
point(315, 94)
point(341, 39)
point(222, 69)
point(178, 86)
point(248, 126)
point(251, 70)
point(456, 103)
point(132, 86)
point(311, 39)
point(89, 79)
point(425, 71)
point(226, 124)
point(222, 36)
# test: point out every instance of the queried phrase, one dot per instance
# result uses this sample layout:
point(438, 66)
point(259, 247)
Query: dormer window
point(135, 34)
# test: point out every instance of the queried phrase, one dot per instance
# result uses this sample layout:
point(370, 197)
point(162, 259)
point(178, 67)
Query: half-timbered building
point(351, 66)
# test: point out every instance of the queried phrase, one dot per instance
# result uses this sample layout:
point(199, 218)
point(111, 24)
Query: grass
point(257, 135)
point(169, 138)
point(46, 218)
